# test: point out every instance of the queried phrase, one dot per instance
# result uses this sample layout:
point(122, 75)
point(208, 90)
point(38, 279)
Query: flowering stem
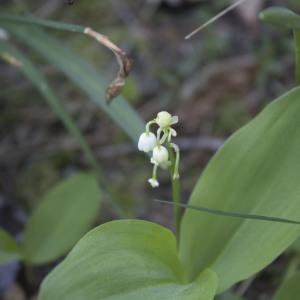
point(154, 173)
point(177, 159)
point(164, 137)
point(176, 194)
point(176, 199)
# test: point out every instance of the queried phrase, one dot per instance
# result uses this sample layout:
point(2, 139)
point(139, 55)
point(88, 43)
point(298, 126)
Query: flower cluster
point(148, 142)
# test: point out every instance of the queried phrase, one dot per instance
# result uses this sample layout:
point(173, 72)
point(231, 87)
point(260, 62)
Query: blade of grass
point(31, 20)
point(215, 18)
point(80, 72)
point(231, 214)
point(20, 61)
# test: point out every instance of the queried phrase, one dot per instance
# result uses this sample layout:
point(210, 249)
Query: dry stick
point(124, 62)
point(215, 18)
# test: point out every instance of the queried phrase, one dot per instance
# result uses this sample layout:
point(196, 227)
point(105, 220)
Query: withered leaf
point(125, 64)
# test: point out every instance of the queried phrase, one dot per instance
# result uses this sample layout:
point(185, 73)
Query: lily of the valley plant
point(160, 144)
point(256, 172)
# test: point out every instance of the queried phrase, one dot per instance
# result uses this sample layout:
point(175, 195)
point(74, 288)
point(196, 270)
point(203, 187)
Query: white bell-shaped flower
point(147, 142)
point(165, 119)
point(160, 155)
point(153, 182)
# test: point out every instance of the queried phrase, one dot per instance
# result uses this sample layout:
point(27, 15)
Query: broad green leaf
point(290, 289)
point(9, 250)
point(255, 172)
point(126, 260)
point(61, 219)
point(79, 71)
point(40, 82)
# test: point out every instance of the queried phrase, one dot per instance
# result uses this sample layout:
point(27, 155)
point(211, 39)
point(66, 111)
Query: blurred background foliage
point(215, 83)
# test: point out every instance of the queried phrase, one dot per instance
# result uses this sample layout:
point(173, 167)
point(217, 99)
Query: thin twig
point(215, 18)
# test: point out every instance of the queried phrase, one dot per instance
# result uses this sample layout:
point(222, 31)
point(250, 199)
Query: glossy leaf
point(61, 219)
point(80, 72)
point(126, 260)
point(256, 172)
point(9, 250)
point(290, 289)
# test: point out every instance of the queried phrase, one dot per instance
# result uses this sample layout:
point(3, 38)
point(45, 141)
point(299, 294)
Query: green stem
point(176, 192)
point(148, 125)
point(176, 199)
point(297, 47)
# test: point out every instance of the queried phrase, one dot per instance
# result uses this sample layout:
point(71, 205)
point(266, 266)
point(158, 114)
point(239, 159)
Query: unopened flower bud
point(153, 182)
point(165, 119)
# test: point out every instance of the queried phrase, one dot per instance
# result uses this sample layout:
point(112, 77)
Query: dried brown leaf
point(125, 64)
